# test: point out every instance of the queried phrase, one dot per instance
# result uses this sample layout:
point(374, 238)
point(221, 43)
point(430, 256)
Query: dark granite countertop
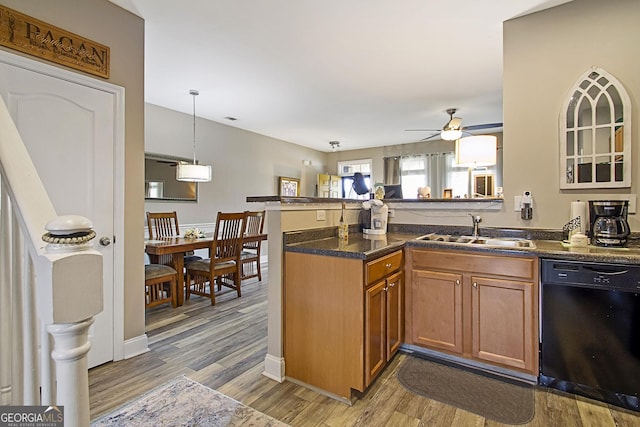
point(324, 242)
point(359, 246)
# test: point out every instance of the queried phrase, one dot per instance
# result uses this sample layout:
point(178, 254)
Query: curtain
point(392, 170)
point(440, 173)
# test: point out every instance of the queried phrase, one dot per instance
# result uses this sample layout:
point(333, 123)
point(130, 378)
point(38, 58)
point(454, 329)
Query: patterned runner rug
point(492, 398)
point(184, 402)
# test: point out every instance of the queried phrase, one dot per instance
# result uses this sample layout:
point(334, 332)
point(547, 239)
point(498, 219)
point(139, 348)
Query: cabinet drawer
point(500, 265)
point(381, 267)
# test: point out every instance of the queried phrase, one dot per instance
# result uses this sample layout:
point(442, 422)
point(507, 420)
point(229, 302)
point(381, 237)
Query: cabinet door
point(436, 310)
point(375, 330)
point(395, 314)
point(503, 322)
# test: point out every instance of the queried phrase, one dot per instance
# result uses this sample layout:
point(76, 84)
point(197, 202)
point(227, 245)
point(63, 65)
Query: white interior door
point(68, 129)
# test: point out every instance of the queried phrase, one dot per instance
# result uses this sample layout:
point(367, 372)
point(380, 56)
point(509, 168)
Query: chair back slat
point(162, 224)
point(255, 225)
point(230, 228)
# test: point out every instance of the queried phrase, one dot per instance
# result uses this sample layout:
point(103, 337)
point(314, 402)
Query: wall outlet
point(321, 215)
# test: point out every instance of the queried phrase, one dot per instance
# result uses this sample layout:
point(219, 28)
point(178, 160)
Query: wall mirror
point(440, 172)
point(160, 179)
point(595, 134)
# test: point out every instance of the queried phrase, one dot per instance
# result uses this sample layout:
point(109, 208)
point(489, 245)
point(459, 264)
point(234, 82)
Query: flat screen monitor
point(393, 191)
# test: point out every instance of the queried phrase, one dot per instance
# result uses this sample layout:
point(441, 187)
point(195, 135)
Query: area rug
point(184, 402)
point(496, 399)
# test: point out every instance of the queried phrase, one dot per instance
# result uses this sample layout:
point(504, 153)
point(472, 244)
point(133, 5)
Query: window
point(346, 170)
point(413, 174)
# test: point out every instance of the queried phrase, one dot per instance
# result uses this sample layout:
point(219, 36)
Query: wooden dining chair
point(250, 256)
point(224, 266)
point(160, 285)
point(165, 224)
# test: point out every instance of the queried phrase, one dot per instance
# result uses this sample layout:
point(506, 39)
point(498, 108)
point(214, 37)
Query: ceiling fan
point(453, 129)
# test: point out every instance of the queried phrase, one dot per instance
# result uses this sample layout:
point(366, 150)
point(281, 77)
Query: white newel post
point(70, 354)
point(75, 270)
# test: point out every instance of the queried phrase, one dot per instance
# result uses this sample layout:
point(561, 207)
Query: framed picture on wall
point(289, 187)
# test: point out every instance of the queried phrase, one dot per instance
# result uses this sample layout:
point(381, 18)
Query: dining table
point(178, 246)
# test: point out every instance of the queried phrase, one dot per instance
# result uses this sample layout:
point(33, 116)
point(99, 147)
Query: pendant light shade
point(476, 151)
point(193, 172)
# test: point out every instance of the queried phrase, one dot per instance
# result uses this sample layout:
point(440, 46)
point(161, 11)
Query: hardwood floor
point(223, 347)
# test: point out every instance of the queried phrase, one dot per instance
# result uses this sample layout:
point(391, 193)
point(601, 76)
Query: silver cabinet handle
point(105, 241)
point(457, 281)
point(391, 285)
point(475, 285)
point(388, 265)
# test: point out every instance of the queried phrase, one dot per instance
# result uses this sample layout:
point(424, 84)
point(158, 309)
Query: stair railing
point(50, 290)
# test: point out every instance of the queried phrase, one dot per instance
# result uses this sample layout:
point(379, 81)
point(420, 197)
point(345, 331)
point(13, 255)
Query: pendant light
point(476, 151)
point(193, 172)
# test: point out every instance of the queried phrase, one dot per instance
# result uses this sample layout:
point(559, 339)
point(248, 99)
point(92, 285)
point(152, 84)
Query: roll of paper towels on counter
point(579, 209)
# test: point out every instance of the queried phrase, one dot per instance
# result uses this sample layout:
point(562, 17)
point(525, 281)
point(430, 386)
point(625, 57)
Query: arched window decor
point(595, 134)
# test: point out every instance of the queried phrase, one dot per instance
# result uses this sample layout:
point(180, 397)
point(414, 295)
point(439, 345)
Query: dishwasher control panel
point(591, 274)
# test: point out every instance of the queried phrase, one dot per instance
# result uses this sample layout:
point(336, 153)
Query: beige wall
point(544, 55)
point(244, 163)
point(105, 23)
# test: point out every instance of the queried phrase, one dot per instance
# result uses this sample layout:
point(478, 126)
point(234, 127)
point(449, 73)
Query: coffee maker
point(608, 222)
point(379, 213)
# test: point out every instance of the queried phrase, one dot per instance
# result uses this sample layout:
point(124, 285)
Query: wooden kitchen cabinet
point(343, 319)
point(384, 324)
point(502, 322)
point(437, 310)
point(482, 307)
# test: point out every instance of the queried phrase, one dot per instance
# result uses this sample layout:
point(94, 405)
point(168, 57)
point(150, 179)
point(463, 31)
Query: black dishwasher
point(590, 330)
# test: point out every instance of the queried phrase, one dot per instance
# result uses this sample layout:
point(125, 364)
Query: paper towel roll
point(579, 209)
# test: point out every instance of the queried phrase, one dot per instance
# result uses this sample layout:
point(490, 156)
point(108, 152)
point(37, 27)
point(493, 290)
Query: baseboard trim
point(274, 368)
point(136, 346)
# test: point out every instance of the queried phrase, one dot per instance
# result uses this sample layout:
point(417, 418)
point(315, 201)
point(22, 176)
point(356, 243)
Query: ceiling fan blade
point(429, 137)
point(483, 126)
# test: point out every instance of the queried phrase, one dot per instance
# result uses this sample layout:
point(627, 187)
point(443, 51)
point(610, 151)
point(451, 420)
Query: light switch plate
point(321, 215)
point(517, 201)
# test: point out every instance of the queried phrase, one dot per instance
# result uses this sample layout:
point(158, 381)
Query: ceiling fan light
point(450, 134)
point(193, 173)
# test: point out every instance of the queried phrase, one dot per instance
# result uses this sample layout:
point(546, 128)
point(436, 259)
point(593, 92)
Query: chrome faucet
point(476, 221)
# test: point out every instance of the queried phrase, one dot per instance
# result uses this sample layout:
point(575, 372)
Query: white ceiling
point(312, 71)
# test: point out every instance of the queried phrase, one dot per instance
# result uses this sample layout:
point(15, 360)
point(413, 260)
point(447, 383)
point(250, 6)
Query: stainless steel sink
point(497, 242)
point(449, 238)
point(511, 242)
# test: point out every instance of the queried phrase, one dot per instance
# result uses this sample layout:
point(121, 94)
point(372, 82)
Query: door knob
point(105, 241)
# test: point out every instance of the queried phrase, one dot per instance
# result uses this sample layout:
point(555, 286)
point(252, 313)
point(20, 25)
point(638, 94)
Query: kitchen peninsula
point(285, 214)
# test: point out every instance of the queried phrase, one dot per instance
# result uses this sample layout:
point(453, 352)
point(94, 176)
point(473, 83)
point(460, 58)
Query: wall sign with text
point(37, 38)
